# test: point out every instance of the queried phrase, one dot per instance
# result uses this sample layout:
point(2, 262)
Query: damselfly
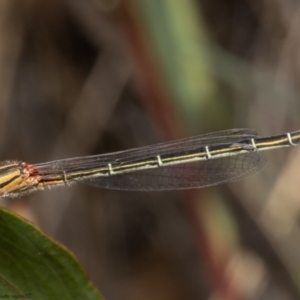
point(195, 162)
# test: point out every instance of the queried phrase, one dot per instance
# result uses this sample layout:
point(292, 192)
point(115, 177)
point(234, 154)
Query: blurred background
point(89, 77)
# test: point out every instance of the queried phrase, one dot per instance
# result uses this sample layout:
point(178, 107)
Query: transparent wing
point(187, 175)
point(78, 163)
point(181, 176)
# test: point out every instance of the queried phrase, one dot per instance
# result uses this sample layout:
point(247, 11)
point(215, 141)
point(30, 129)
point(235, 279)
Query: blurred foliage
point(28, 259)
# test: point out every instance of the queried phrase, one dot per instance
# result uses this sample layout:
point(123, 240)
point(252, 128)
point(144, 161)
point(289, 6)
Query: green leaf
point(32, 266)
